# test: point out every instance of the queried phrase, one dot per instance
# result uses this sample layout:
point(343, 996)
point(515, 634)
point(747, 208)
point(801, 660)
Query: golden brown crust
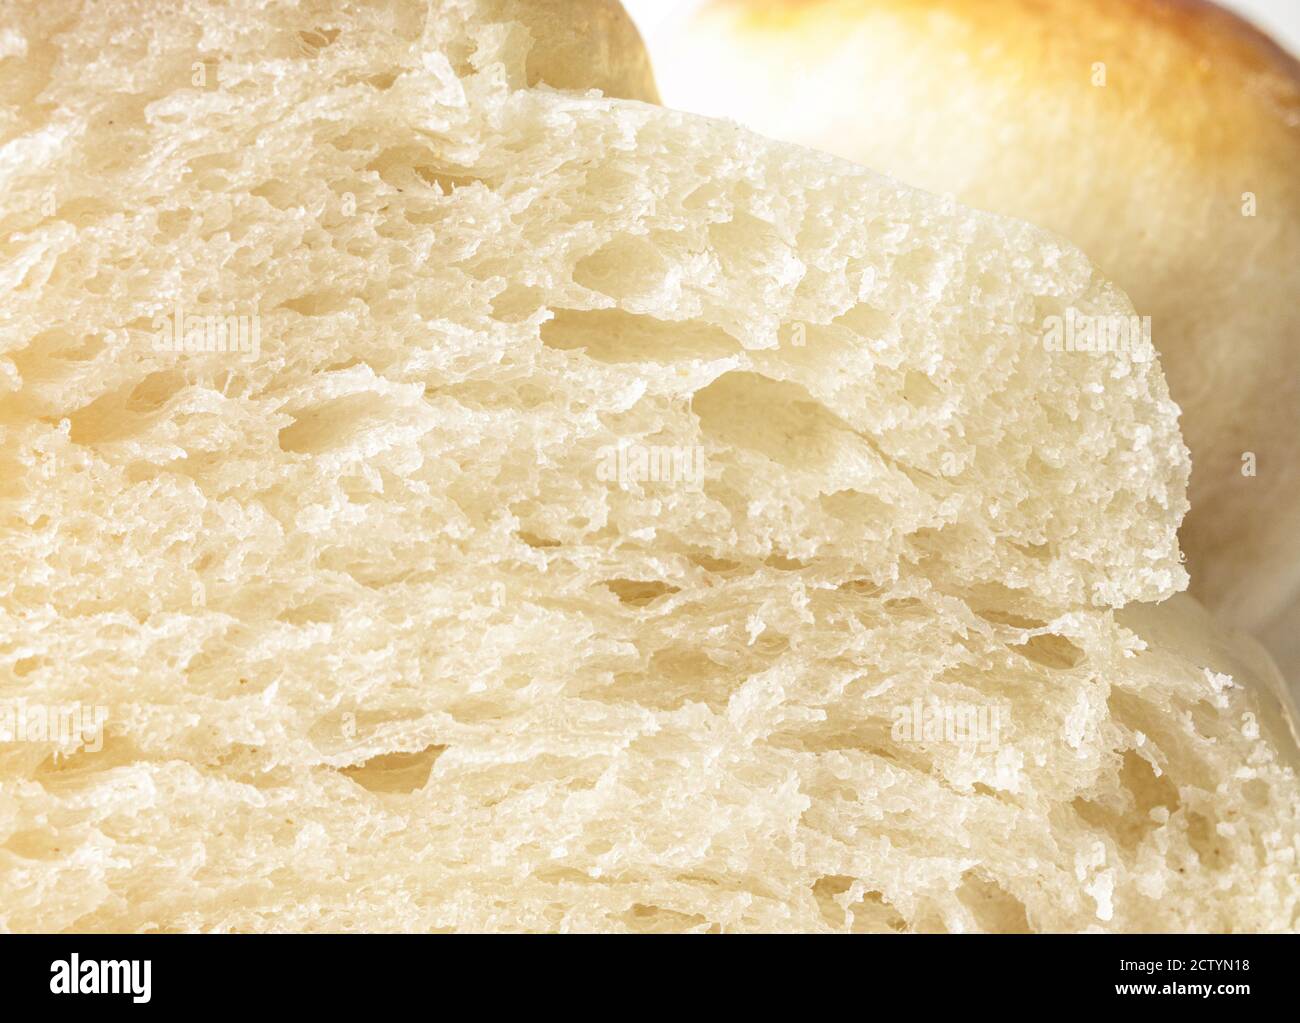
point(1205, 25)
point(1200, 23)
point(1190, 61)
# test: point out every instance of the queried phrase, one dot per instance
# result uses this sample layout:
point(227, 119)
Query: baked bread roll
point(1162, 138)
point(592, 517)
point(582, 44)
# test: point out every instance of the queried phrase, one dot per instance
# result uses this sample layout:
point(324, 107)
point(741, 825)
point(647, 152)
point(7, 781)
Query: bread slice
point(602, 519)
point(1162, 138)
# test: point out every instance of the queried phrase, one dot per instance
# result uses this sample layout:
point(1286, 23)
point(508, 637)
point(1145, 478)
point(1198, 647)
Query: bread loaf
point(1162, 138)
point(576, 515)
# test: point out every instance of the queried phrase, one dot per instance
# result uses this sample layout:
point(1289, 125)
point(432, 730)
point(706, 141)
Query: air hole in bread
point(323, 610)
point(718, 566)
point(416, 167)
point(617, 336)
point(673, 678)
point(155, 390)
point(647, 919)
point(1055, 652)
point(108, 418)
point(279, 193)
point(865, 512)
point(639, 593)
point(34, 844)
point(874, 914)
point(993, 908)
point(861, 588)
point(750, 246)
point(26, 665)
point(517, 302)
point(1016, 621)
point(775, 418)
point(318, 303)
point(396, 772)
point(333, 423)
point(1205, 840)
point(626, 267)
point(315, 40)
point(825, 891)
point(919, 389)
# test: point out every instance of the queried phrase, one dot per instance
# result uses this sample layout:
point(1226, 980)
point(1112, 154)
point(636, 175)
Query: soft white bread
point(1162, 137)
point(382, 644)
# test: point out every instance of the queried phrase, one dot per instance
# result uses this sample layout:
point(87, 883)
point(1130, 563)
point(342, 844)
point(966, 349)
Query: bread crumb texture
point(403, 619)
point(1138, 129)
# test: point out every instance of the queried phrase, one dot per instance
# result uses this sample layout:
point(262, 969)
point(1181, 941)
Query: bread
point(603, 519)
point(1162, 138)
point(582, 44)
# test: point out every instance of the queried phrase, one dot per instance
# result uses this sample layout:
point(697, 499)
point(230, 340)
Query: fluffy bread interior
point(607, 488)
point(1162, 138)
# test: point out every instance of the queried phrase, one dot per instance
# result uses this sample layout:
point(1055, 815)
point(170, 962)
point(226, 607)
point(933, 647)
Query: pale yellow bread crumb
point(1161, 136)
point(381, 646)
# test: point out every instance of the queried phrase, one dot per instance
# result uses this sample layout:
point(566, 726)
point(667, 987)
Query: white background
point(1279, 17)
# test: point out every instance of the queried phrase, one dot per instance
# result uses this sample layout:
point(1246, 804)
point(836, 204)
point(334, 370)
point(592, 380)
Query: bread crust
point(1198, 61)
